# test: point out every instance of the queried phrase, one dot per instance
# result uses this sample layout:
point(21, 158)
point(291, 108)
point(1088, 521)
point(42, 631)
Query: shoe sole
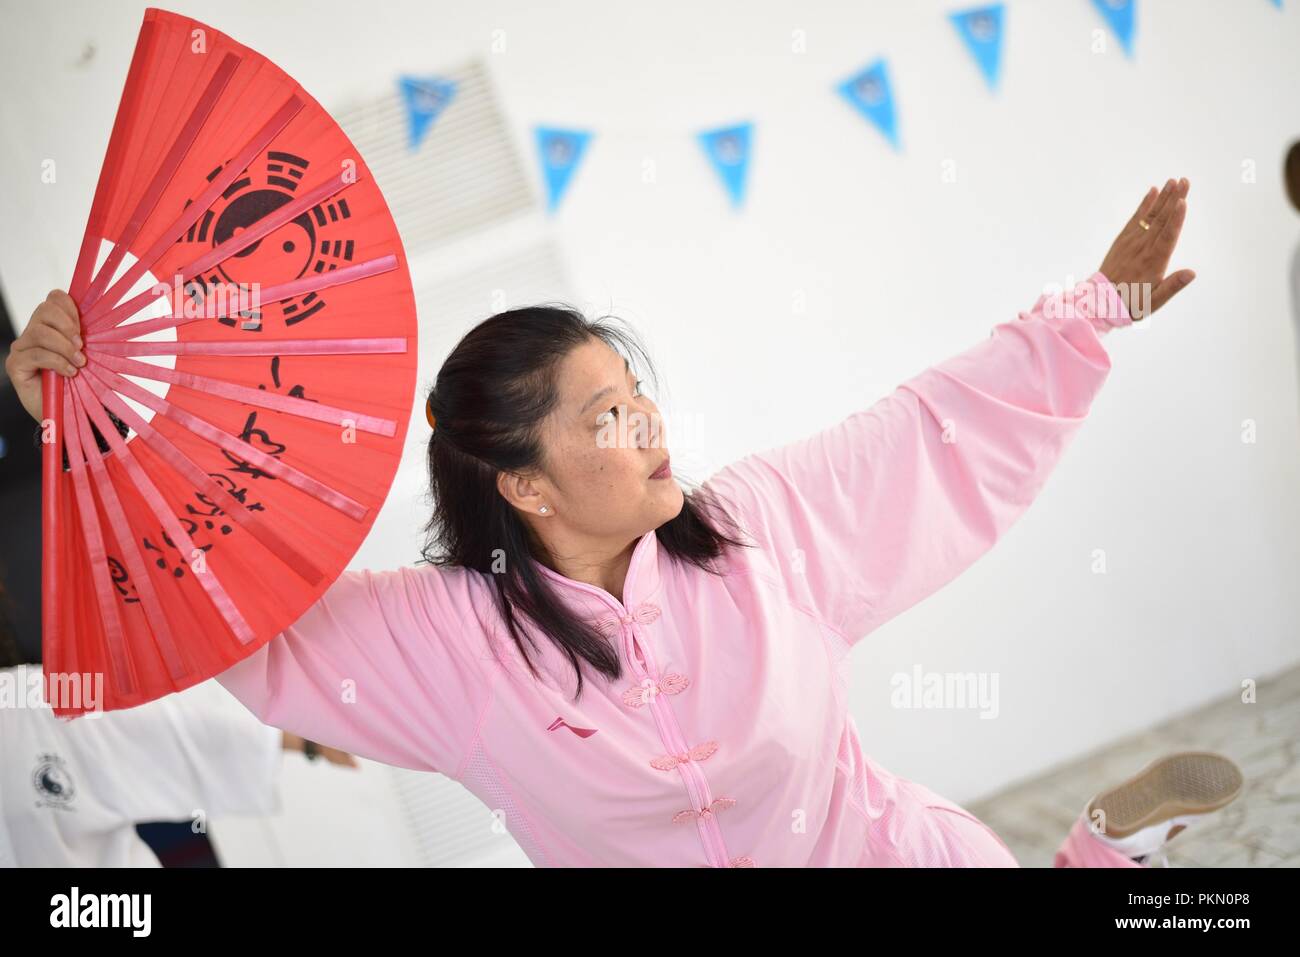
point(1190, 782)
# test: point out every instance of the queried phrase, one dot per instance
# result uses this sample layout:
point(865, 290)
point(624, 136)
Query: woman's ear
point(520, 491)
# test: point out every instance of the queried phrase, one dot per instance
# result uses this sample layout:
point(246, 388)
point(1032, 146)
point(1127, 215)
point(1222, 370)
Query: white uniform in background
point(71, 792)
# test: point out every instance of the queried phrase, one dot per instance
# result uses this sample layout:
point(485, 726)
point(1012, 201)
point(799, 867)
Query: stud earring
point(543, 510)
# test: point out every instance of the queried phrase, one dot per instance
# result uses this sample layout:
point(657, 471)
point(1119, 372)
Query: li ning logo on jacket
point(559, 722)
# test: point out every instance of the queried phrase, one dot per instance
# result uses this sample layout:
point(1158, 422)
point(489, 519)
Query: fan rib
point(235, 445)
point(207, 579)
point(193, 210)
point(96, 553)
point(184, 466)
point(263, 347)
point(166, 170)
point(135, 563)
point(303, 408)
point(287, 290)
point(235, 244)
point(125, 536)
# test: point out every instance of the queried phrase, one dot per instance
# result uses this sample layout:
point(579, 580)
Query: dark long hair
point(489, 400)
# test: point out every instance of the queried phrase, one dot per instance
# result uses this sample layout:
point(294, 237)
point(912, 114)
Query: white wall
point(898, 270)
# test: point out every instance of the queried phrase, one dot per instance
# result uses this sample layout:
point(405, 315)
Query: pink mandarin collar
point(639, 587)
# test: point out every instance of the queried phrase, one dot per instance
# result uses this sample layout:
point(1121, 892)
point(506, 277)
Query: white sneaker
point(1162, 800)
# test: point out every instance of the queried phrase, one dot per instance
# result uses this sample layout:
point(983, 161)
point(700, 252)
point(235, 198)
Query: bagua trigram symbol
point(316, 241)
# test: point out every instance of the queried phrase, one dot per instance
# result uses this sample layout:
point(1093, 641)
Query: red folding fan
point(247, 312)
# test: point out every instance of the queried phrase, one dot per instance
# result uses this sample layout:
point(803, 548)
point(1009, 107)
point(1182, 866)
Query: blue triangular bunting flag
point(425, 98)
point(870, 94)
point(981, 29)
point(559, 152)
point(728, 150)
point(1119, 15)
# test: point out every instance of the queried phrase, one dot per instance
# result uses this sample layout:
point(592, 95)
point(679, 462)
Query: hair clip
point(428, 412)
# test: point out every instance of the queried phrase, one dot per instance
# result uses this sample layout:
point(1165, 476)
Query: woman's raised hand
point(52, 340)
point(1139, 256)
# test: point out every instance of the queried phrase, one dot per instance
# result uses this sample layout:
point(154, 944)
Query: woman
point(631, 675)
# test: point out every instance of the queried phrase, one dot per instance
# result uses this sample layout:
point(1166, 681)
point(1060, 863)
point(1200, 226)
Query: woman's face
point(601, 444)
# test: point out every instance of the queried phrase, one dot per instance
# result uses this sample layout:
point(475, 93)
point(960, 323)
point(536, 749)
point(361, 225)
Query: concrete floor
point(1261, 828)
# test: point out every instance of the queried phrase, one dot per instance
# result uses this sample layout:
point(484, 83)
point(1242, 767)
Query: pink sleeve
point(864, 519)
point(385, 666)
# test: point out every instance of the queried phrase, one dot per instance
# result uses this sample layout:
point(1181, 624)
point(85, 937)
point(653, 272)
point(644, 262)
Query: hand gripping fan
point(247, 313)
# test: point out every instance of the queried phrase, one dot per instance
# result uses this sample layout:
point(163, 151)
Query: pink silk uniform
point(727, 742)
